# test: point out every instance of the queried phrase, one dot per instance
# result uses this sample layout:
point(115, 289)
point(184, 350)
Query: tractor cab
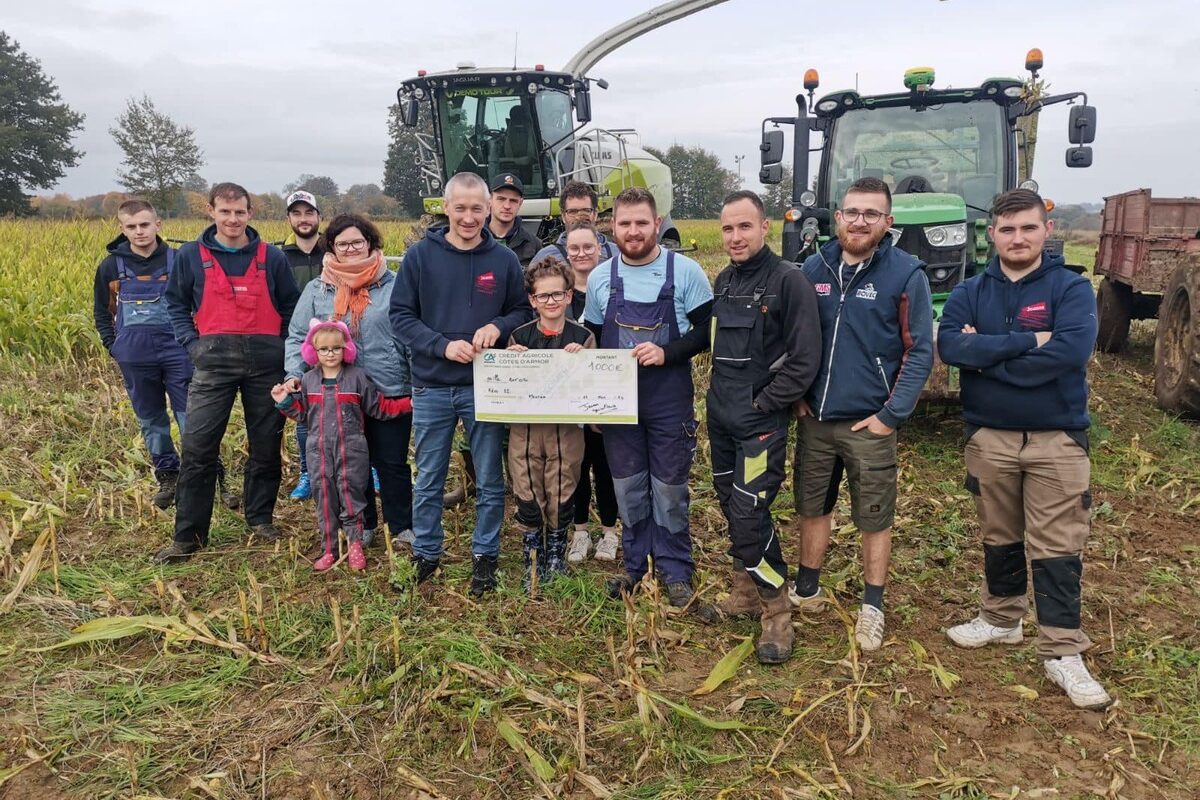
point(494, 121)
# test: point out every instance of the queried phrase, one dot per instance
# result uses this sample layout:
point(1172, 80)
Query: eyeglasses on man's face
point(354, 244)
point(869, 216)
point(586, 211)
point(546, 297)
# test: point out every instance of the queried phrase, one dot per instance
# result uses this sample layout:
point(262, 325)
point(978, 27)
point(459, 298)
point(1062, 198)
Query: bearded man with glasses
point(877, 330)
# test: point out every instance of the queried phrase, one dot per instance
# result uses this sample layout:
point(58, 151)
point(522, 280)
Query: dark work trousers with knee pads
point(1032, 495)
point(650, 461)
point(749, 446)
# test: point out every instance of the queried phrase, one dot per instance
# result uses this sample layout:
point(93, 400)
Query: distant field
point(243, 675)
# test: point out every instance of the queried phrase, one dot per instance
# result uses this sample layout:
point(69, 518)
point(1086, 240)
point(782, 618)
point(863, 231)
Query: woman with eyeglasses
point(583, 245)
point(355, 287)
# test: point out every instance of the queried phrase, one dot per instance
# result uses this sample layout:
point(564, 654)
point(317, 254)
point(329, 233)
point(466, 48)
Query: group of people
point(843, 343)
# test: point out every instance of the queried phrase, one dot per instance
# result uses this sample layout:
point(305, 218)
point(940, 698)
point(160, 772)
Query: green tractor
point(945, 154)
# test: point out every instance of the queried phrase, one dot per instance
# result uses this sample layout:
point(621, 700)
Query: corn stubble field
point(243, 675)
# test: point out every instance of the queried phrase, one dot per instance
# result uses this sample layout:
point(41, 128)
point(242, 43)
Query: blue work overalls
point(153, 365)
point(651, 461)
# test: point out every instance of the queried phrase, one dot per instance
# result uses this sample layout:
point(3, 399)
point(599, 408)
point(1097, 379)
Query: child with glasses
point(543, 458)
point(333, 401)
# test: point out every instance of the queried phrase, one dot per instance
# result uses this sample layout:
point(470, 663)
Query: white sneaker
point(606, 548)
point(1071, 675)
point(978, 632)
point(580, 543)
point(868, 631)
point(816, 602)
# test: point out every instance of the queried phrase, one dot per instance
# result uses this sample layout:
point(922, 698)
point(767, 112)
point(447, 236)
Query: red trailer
point(1149, 256)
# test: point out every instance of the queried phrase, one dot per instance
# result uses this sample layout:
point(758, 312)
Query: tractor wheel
point(1177, 344)
point(1114, 307)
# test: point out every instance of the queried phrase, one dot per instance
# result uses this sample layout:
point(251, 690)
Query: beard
point(637, 250)
point(300, 234)
point(1021, 260)
point(859, 244)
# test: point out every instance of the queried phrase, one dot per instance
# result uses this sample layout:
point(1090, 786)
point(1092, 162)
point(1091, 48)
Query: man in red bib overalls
point(229, 297)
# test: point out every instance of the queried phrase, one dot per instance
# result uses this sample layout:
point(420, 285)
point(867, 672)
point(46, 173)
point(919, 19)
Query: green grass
point(146, 716)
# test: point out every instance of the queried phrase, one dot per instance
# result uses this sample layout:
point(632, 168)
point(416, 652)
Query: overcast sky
point(276, 89)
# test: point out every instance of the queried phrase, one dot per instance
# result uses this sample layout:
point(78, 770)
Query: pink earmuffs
point(315, 326)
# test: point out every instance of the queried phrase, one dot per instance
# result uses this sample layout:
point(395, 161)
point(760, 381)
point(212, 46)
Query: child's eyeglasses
point(546, 297)
point(330, 351)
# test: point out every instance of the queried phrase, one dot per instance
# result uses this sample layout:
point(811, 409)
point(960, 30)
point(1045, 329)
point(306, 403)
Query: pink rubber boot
point(357, 559)
point(325, 562)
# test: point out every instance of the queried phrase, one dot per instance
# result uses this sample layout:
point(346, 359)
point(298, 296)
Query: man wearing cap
point(508, 192)
point(305, 255)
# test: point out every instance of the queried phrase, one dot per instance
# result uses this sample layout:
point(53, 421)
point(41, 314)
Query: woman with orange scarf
point(355, 287)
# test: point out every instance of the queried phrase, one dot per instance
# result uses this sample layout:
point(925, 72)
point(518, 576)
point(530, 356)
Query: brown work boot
point(775, 644)
point(743, 597)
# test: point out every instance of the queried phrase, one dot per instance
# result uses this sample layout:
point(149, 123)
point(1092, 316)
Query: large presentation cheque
point(591, 386)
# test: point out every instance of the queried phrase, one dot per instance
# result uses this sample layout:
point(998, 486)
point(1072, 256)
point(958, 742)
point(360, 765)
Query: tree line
point(162, 161)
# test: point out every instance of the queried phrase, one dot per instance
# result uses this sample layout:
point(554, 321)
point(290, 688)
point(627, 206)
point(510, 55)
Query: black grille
point(937, 259)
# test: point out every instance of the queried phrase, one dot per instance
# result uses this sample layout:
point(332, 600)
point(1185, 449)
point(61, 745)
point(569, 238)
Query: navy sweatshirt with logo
point(877, 335)
point(445, 294)
point(1008, 381)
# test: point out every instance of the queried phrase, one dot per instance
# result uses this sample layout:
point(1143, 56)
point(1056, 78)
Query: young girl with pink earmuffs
point(333, 400)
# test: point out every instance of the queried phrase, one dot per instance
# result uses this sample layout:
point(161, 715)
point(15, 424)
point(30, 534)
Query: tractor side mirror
point(583, 105)
point(1082, 125)
point(771, 148)
point(1079, 156)
point(772, 173)
point(412, 111)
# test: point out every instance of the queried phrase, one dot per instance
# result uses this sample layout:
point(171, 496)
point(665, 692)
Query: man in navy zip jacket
point(457, 293)
point(229, 297)
point(1022, 334)
point(877, 330)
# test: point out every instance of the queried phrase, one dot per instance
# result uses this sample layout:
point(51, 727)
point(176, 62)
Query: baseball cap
point(508, 181)
point(301, 196)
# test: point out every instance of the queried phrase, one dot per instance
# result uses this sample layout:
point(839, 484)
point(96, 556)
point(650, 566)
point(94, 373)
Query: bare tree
point(161, 156)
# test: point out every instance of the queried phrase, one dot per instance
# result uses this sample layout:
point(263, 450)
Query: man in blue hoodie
point(229, 298)
point(1022, 334)
point(877, 331)
point(458, 293)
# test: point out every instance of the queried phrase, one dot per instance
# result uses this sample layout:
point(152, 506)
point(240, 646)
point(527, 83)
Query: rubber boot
point(743, 598)
point(164, 498)
point(775, 644)
point(535, 557)
point(556, 553)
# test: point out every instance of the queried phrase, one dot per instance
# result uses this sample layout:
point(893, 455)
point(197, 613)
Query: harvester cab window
point(956, 148)
point(491, 131)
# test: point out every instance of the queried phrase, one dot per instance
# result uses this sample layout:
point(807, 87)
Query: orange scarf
point(351, 279)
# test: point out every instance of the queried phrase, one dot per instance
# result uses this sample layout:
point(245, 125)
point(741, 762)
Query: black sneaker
point(175, 553)
point(680, 594)
point(621, 585)
point(266, 532)
point(425, 567)
point(164, 498)
point(483, 575)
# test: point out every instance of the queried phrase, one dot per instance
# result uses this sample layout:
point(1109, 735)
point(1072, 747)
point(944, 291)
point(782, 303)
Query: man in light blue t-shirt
point(657, 304)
